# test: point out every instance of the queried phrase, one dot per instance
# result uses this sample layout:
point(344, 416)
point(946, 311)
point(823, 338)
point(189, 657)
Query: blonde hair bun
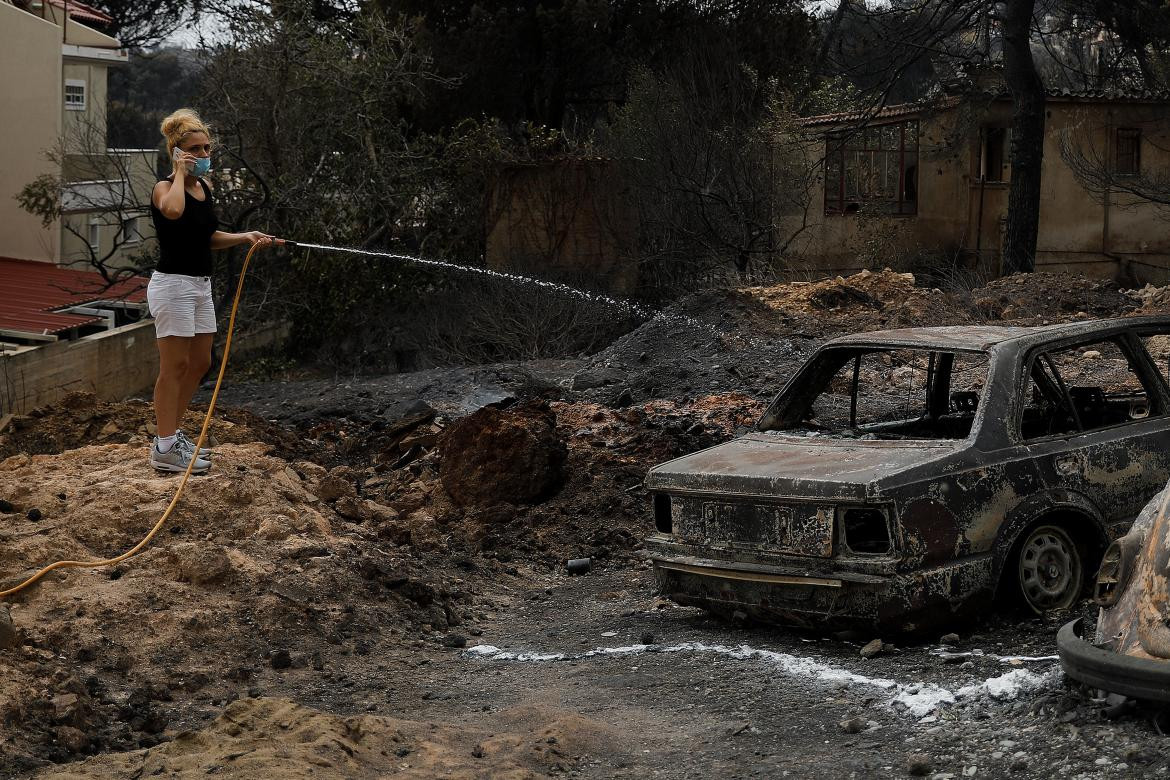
point(181, 124)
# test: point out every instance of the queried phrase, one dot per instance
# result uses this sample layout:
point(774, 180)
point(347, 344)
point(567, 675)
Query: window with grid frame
point(131, 233)
point(874, 167)
point(74, 95)
point(1129, 151)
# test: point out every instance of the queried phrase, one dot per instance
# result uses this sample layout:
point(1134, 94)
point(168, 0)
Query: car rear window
point(888, 394)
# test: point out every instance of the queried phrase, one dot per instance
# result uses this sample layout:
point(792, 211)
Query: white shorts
point(181, 305)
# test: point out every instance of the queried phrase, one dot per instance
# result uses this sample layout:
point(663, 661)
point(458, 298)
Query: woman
point(179, 293)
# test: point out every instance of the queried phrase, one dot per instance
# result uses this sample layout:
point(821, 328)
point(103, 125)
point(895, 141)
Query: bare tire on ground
point(1050, 570)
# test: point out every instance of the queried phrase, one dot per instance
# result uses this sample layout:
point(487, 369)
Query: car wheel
point(1050, 569)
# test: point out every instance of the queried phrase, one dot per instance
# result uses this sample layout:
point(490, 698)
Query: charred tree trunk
point(1027, 151)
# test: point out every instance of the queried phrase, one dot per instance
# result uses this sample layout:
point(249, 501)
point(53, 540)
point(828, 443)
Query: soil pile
point(1028, 299)
point(1151, 299)
point(81, 418)
point(258, 738)
point(861, 302)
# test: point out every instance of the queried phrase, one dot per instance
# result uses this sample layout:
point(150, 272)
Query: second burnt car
point(904, 477)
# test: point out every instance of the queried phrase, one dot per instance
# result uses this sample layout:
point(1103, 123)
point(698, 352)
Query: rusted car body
point(1131, 653)
point(904, 477)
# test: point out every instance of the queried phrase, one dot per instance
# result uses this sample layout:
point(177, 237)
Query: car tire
point(1050, 568)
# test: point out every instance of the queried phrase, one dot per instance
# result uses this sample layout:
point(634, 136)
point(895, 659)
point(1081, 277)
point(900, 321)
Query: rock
point(333, 486)
point(280, 659)
point(64, 705)
point(1090, 354)
point(503, 455)
point(590, 378)
point(110, 429)
point(34, 515)
point(200, 564)
point(852, 725)
point(454, 640)
point(8, 633)
point(72, 739)
point(404, 415)
point(918, 764)
point(647, 638)
point(872, 649)
point(6, 506)
point(950, 639)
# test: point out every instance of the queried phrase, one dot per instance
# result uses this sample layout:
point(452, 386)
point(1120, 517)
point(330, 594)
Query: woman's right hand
point(182, 162)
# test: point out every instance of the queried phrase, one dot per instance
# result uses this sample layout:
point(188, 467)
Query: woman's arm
point(222, 240)
point(169, 196)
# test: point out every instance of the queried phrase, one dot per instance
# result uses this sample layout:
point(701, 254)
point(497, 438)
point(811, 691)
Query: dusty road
point(710, 700)
point(627, 686)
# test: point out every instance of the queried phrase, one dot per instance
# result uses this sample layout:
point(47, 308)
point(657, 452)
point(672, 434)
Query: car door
point(1094, 417)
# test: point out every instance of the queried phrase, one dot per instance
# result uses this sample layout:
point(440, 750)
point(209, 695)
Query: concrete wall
point(30, 104)
point(113, 365)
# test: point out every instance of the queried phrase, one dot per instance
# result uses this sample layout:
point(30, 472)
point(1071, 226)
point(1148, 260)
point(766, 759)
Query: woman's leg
point(173, 363)
point(198, 361)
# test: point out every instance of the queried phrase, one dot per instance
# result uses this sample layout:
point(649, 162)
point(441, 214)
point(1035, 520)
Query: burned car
point(909, 476)
point(1131, 652)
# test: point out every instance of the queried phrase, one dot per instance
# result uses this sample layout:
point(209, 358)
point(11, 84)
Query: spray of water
point(629, 307)
point(564, 289)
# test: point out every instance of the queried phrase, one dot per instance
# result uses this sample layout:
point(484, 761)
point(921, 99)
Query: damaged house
point(933, 179)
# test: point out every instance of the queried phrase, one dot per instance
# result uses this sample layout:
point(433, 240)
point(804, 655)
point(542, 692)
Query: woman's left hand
point(256, 238)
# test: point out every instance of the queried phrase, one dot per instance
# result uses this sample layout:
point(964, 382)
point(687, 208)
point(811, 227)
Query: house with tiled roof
point(928, 183)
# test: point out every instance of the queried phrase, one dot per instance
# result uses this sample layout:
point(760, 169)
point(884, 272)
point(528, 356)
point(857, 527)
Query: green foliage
point(42, 198)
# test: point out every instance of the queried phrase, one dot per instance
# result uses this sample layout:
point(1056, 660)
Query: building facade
point(53, 101)
point(932, 182)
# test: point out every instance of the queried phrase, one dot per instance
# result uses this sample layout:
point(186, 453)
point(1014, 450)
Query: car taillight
point(1116, 568)
point(662, 519)
point(866, 530)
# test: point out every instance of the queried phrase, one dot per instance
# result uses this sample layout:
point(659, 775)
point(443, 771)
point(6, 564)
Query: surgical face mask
point(202, 166)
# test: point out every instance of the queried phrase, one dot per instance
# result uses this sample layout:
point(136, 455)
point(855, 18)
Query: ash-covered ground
point(361, 588)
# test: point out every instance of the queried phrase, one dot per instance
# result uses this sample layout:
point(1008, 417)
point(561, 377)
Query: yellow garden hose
point(186, 474)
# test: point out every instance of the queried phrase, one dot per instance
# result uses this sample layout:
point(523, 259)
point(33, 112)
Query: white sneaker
point(176, 459)
point(181, 439)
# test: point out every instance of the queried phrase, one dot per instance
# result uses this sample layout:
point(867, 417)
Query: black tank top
point(185, 243)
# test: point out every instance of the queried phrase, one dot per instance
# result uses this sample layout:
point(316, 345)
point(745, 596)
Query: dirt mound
point(261, 556)
point(502, 455)
point(80, 418)
point(864, 301)
point(263, 737)
point(1046, 296)
point(1151, 299)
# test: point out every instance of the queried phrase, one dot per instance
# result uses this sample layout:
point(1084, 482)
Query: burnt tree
point(1027, 149)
